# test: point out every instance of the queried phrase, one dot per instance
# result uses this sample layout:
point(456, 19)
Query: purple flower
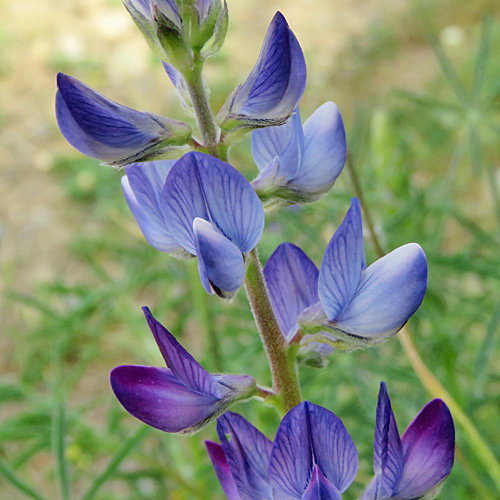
point(415, 465)
point(181, 398)
point(345, 301)
point(313, 457)
point(299, 163)
point(212, 212)
point(115, 134)
point(275, 85)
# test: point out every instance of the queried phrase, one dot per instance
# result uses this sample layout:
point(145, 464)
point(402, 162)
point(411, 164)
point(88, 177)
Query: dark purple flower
point(212, 212)
point(181, 398)
point(299, 163)
point(415, 465)
point(115, 134)
point(313, 456)
point(355, 304)
point(275, 85)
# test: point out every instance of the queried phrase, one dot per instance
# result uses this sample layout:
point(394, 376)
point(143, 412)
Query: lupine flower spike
point(415, 465)
point(299, 163)
point(274, 87)
point(181, 398)
point(345, 301)
point(115, 134)
point(211, 210)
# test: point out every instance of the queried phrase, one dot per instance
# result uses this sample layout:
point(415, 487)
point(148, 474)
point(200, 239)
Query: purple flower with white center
point(212, 212)
point(181, 398)
point(241, 461)
point(275, 85)
point(115, 134)
point(313, 456)
point(415, 465)
point(356, 305)
point(299, 163)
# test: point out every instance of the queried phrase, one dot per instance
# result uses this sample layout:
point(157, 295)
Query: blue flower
point(299, 163)
point(312, 457)
point(416, 464)
point(275, 85)
point(115, 134)
point(345, 301)
point(199, 206)
point(181, 398)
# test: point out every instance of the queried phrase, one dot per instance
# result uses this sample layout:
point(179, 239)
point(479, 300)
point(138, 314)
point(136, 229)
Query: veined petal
point(292, 459)
point(342, 264)
point(390, 291)
point(247, 451)
point(292, 280)
point(184, 367)
point(324, 151)
point(222, 470)
point(277, 82)
point(285, 142)
point(428, 447)
point(103, 129)
point(320, 488)
point(388, 452)
point(202, 186)
point(332, 446)
point(169, 9)
point(220, 261)
point(158, 398)
point(142, 187)
point(140, 10)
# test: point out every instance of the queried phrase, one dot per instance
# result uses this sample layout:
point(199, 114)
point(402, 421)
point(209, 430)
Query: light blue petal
point(142, 187)
point(342, 264)
point(390, 291)
point(221, 467)
point(101, 128)
point(202, 186)
point(332, 446)
point(169, 9)
point(285, 142)
point(140, 10)
point(388, 452)
point(247, 451)
point(292, 280)
point(320, 488)
point(220, 262)
point(156, 397)
point(184, 367)
point(277, 82)
point(429, 448)
point(324, 152)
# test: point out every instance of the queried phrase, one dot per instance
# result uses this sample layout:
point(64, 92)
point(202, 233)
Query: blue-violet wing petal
point(220, 262)
point(247, 451)
point(222, 470)
point(292, 279)
point(156, 397)
point(428, 447)
point(320, 488)
point(342, 264)
point(184, 367)
point(390, 291)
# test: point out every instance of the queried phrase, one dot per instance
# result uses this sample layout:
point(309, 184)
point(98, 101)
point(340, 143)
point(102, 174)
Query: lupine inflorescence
point(189, 202)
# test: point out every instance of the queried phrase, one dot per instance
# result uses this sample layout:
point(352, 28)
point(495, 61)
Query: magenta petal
point(342, 264)
point(429, 448)
point(292, 279)
point(320, 488)
point(222, 470)
point(184, 367)
point(156, 397)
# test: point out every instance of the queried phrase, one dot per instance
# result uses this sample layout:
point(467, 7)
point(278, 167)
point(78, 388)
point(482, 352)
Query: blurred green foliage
point(429, 166)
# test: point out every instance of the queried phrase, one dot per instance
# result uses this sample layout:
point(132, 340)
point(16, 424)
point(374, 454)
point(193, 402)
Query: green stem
point(202, 109)
point(283, 369)
point(428, 379)
point(11, 477)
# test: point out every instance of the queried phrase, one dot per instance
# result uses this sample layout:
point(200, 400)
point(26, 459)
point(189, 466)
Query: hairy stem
point(283, 369)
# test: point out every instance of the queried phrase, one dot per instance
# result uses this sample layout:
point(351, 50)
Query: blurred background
point(418, 84)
